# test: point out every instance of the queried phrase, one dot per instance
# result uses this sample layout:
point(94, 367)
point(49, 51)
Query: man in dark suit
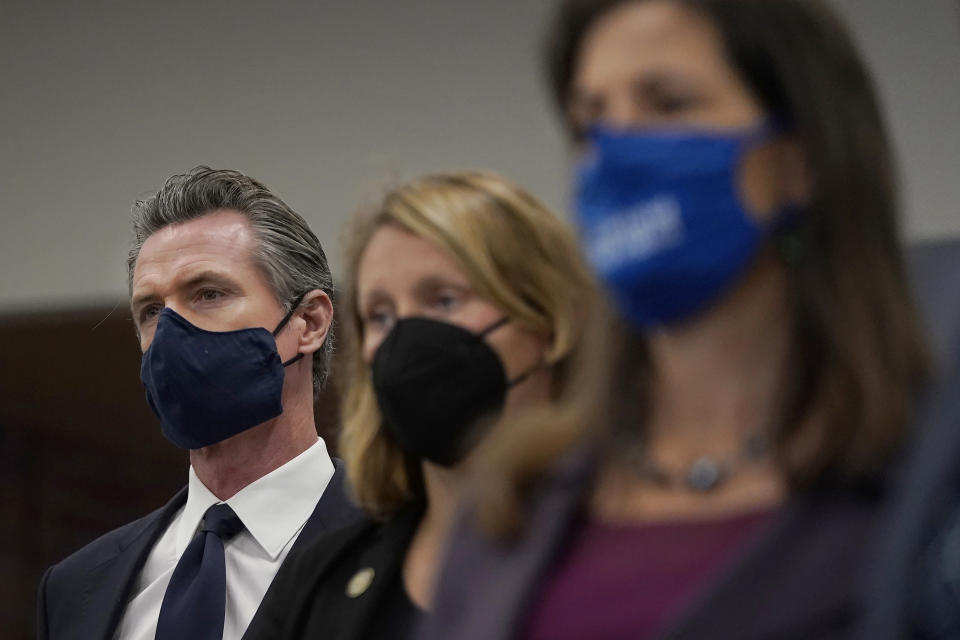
point(231, 297)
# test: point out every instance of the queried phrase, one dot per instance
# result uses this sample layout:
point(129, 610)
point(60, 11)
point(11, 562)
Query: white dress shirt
point(273, 510)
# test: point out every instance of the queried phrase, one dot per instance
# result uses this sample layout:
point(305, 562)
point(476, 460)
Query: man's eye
point(209, 295)
point(150, 312)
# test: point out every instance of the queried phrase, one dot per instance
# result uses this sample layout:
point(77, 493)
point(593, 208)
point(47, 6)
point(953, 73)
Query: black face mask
point(439, 387)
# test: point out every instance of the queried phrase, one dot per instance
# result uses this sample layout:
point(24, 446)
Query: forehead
point(396, 257)
point(222, 240)
point(638, 34)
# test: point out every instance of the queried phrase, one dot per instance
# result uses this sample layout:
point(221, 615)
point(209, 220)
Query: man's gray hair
point(289, 253)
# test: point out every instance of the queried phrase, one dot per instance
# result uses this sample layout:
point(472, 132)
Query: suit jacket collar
point(333, 511)
point(386, 556)
point(114, 576)
point(310, 595)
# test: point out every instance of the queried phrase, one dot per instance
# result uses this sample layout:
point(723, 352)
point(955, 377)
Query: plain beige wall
point(327, 102)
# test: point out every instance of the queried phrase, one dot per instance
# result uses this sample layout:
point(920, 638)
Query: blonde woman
point(464, 297)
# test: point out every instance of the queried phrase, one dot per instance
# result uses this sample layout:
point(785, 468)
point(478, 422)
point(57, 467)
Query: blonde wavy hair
point(516, 253)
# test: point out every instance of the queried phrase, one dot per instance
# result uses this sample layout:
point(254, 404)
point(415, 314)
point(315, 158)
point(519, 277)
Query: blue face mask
point(207, 386)
point(662, 222)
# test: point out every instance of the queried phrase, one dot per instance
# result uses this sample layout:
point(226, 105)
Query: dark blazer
point(799, 581)
point(934, 270)
point(84, 596)
point(312, 595)
point(912, 580)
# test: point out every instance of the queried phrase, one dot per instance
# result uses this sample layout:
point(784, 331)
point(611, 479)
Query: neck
point(443, 487)
point(228, 466)
point(719, 377)
point(420, 567)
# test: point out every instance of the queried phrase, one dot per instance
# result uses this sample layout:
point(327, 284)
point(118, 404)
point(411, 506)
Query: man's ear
point(316, 309)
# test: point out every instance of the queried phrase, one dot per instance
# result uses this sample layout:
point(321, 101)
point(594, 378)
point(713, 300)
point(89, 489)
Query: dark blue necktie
point(193, 605)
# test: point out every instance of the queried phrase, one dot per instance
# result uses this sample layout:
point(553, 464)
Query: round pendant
point(704, 475)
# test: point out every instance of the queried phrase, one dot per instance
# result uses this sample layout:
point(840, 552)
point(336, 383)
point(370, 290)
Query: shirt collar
point(272, 508)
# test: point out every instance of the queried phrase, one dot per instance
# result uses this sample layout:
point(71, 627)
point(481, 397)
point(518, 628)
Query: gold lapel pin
point(360, 582)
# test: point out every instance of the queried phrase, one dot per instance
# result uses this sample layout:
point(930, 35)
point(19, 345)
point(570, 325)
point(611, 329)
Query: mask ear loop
point(785, 230)
point(526, 374)
point(496, 325)
point(283, 323)
point(788, 217)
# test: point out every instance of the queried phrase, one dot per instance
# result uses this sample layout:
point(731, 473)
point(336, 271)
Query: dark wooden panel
point(80, 451)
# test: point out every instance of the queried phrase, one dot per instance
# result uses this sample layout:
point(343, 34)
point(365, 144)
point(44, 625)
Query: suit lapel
point(111, 581)
point(334, 510)
point(109, 584)
point(386, 558)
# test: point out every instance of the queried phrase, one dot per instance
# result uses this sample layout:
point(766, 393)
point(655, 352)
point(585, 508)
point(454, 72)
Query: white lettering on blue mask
point(662, 222)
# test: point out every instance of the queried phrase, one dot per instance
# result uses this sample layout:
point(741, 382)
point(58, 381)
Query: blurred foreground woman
point(715, 468)
point(465, 299)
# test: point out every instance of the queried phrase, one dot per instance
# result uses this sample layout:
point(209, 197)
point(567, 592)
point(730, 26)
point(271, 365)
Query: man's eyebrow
point(204, 277)
point(141, 298)
point(209, 277)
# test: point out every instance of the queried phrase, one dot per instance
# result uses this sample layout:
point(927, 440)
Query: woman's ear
point(316, 309)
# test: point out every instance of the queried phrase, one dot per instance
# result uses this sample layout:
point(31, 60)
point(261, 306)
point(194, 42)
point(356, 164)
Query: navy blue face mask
point(206, 386)
point(662, 222)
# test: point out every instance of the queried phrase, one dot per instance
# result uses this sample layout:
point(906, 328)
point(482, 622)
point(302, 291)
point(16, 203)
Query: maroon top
point(629, 580)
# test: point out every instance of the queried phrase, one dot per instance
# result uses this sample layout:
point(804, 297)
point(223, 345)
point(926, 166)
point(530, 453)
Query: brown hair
point(288, 253)
point(857, 351)
point(515, 252)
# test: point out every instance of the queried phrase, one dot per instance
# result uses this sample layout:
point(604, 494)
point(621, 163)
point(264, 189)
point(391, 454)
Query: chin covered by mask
point(439, 387)
point(207, 386)
point(662, 221)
